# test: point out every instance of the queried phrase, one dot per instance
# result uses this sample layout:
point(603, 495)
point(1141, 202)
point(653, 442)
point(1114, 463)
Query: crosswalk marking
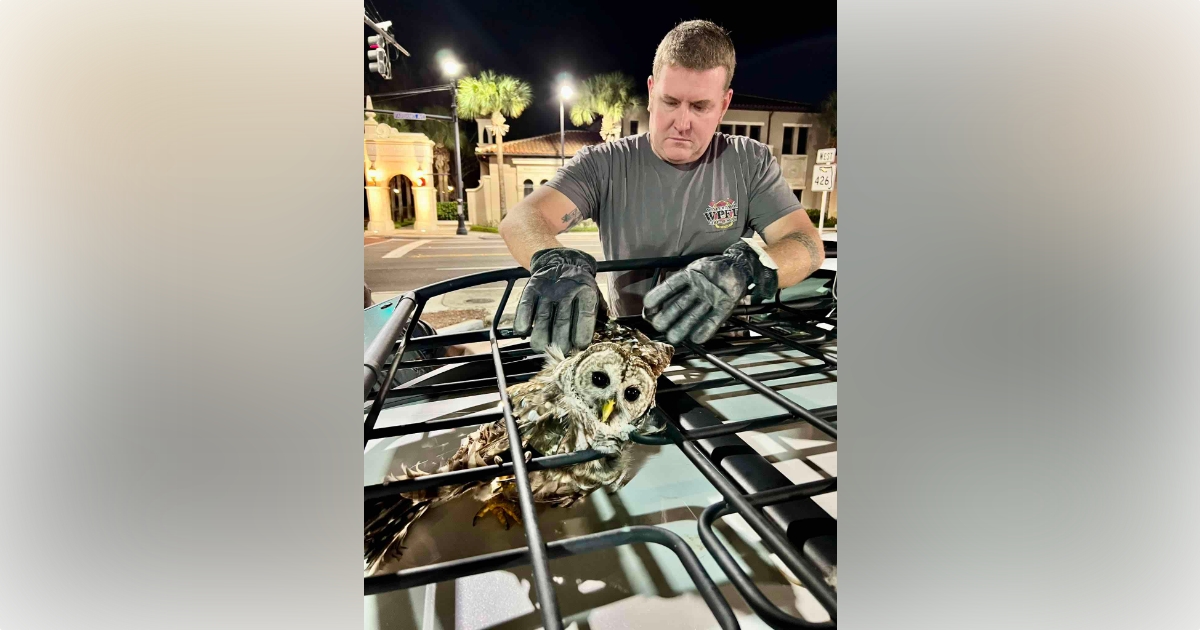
point(404, 249)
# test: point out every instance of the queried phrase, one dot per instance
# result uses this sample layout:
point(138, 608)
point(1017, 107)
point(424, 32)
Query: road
point(401, 264)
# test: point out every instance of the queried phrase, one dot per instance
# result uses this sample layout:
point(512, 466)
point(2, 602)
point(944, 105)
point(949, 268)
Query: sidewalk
point(444, 229)
point(449, 229)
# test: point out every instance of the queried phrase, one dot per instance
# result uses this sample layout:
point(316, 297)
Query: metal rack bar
point(764, 376)
point(442, 424)
point(551, 619)
point(768, 611)
point(524, 352)
point(794, 345)
point(460, 386)
point(383, 343)
point(479, 473)
point(772, 395)
point(729, 428)
point(399, 322)
point(419, 393)
point(560, 549)
point(779, 495)
point(521, 353)
point(774, 539)
point(435, 425)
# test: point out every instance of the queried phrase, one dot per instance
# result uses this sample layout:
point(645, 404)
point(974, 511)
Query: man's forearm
point(798, 255)
point(526, 233)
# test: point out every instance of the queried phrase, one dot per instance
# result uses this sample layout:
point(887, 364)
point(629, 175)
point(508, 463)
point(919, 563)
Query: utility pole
point(462, 224)
point(564, 92)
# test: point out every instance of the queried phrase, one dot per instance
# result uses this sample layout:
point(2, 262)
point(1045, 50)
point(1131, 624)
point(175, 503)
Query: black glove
point(559, 304)
point(693, 303)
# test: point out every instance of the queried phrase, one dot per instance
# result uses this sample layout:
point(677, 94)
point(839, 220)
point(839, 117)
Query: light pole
point(564, 94)
point(451, 68)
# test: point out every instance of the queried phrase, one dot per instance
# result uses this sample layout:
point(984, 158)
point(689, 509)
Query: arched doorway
point(401, 195)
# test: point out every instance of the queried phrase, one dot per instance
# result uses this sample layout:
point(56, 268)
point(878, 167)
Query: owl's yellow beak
point(607, 410)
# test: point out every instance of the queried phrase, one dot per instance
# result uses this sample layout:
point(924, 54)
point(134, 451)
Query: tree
point(441, 132)
point(495, 96)
point(608, 96)
point(829, 117)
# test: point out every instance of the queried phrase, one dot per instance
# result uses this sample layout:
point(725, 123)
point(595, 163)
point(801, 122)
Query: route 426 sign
point(823, 177)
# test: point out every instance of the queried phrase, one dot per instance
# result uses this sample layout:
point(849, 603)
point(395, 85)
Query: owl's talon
point(528, 456)
point(505, 511)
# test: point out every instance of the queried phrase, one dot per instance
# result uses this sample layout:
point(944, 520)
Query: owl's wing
point(531, 409)
point(481, 447)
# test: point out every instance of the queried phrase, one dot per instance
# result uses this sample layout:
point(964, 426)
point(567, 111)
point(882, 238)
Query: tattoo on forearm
point(572, 219)
point(813, 248)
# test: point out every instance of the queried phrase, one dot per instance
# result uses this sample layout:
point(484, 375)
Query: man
point(679, 189)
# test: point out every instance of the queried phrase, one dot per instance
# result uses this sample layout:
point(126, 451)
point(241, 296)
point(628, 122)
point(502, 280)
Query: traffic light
point(378, 57)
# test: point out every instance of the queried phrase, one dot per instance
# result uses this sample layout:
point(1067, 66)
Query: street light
point(451, 68)
point(565, 92)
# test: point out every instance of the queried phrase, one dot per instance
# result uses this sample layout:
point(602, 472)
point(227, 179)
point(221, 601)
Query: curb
point(421, 235)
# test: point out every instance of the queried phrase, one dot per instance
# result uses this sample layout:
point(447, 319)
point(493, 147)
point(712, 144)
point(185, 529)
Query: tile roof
point(544, 145)
point(748, 101)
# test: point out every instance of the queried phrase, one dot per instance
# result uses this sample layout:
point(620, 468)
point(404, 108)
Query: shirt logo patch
point(722, 214)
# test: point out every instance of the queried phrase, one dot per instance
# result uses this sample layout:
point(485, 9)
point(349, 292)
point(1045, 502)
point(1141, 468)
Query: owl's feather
point(556, 412)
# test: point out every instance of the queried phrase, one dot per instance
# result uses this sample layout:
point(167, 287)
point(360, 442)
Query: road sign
point(825, 156)
point(823, 177)
point(408, 116)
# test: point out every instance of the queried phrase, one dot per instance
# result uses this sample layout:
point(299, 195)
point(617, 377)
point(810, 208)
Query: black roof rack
point(783, 514)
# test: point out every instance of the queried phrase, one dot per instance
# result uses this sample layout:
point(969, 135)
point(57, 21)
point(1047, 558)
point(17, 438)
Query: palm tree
point(608, 96)
point(495, 96)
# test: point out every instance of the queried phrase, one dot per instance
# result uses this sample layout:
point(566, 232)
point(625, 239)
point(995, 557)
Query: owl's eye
point(632, 393)
point(600, 379)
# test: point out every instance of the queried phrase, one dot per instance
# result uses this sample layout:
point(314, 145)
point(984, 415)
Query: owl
point(591, 399)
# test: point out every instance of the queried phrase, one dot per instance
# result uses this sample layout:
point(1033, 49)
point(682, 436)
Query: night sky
point(792, 58)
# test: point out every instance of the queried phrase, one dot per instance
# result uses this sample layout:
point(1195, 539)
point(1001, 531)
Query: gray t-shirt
point(647, 208)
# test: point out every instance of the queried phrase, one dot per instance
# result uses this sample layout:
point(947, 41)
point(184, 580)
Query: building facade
point(528, 164)
point(394, 169)
point(792, 130)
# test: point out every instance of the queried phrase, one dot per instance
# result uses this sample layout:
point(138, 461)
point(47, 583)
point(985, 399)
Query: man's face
point(685, 108)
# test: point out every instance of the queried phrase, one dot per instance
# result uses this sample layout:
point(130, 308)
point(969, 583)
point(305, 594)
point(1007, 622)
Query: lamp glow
point(451, 67)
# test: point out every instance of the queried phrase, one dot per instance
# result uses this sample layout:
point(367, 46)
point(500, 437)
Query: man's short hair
point(696, 45)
